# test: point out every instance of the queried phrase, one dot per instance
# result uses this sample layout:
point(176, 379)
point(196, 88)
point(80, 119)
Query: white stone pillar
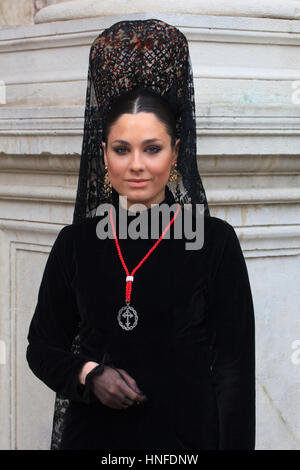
point(289, 9)
point(15, 12)
point(39, 4)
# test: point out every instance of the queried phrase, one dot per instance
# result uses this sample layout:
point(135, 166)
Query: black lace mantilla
point(130, 54)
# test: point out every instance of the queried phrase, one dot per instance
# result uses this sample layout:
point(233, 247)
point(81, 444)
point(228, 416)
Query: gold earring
point(107, 184)
point(174, 178)
point(173, 174)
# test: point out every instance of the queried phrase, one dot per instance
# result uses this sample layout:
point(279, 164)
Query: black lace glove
point(87, 389)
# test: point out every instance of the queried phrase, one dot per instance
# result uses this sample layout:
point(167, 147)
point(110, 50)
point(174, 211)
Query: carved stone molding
point(249, 8)
point(23, 251)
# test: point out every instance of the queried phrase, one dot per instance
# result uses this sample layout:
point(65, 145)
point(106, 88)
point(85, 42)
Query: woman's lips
point(137, 183)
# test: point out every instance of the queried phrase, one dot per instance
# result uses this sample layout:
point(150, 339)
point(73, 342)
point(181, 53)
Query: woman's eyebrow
point(147, 141)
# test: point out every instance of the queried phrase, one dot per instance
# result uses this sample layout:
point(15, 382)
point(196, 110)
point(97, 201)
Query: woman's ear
point(104, 152)
point(176, 150)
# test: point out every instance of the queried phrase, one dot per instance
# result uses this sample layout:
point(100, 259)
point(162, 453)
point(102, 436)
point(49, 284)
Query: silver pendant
point(127, 317)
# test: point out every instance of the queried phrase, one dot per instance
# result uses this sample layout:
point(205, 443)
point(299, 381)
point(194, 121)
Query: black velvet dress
point(192, 352)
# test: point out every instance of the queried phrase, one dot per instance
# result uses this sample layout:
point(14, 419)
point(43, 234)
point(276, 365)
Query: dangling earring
point(107, 185)
point(174, 178)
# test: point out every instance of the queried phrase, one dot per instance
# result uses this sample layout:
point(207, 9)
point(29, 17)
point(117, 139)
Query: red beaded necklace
point(128, 312)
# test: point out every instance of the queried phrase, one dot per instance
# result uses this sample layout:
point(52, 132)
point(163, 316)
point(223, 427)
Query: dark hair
point(142, 100)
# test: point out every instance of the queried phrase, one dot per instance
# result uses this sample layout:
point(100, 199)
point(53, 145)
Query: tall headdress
point(138, 54)
point(127, 55)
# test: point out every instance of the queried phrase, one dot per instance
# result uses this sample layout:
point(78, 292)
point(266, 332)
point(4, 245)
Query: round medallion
point(127, 318)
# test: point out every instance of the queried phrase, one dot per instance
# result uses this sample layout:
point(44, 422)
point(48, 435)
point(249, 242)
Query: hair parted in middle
point(144, 100)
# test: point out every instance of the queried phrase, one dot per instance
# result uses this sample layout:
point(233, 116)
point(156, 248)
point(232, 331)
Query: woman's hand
point(116, 389)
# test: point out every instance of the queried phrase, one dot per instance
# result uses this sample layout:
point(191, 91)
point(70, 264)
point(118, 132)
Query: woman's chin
point(141, 196)
point(138, 195)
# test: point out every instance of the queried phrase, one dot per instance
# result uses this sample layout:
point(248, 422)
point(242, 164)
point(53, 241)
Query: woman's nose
point(136, 161)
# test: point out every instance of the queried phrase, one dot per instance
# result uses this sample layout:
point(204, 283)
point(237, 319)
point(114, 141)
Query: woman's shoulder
point(76, 228)
point(211, 223)
point(222, 239)
point(217, 225)
point(210, 235)
point(213, 226)
point(79, 232)
point(219, 232)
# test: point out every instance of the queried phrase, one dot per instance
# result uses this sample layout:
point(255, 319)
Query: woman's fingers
point(116, 389)
point(128, 395)
point(131, 382)
point(126, 401)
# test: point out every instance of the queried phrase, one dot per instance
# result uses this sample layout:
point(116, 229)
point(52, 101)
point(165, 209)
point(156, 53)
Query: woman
point(177, 371)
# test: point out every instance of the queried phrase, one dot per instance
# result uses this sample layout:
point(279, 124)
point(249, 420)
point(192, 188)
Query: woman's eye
point(154, 149)
point(120, 150)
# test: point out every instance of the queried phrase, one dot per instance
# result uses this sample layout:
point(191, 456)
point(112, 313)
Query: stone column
point(39, 4)
point(15, 12)
point(21, 12)
point(289, 9)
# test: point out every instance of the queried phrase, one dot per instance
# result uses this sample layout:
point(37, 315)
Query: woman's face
point(139, 148)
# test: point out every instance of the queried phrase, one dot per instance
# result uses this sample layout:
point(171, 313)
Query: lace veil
point(130, 54)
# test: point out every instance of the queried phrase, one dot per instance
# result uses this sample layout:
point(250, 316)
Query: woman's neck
point(127, 204)
point(125, 217)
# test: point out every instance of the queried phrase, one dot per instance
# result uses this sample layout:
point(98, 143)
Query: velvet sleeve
point(54, 323)
point(233, 367)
